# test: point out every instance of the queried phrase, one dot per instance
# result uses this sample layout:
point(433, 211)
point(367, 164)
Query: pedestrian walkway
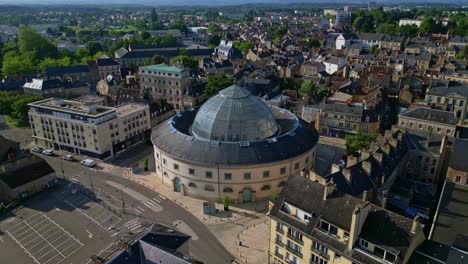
point(247, 223)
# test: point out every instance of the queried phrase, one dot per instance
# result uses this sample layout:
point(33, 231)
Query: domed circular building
point(233, 145)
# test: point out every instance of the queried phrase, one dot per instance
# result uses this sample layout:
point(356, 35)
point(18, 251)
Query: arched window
point(227, 190)
point(281, 184)
point(209, 188)
point(266, 187)
point(193, 185)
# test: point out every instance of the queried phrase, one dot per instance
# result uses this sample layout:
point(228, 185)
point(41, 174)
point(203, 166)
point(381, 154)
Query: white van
point(88, 163)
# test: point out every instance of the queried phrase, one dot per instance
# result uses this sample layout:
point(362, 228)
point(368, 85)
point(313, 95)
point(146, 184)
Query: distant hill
point(216, 2)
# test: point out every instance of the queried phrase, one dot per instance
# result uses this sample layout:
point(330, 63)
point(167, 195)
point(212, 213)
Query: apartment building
point(449, 96)
point(169, 83)
point(427, 120)
point(339, 119)
point(312, 223)
point(86, 128)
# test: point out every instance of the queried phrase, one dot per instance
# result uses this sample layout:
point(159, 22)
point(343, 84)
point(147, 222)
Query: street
point(132, 206)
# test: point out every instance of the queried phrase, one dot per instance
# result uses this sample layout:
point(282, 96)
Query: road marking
point(1, 239)
point(60, 253)
point(151, 202)
point(149, 206)
point(136, 195)
point(90, 235)
point(135, 227)
point(136, 211)
point(162, 197)
point(27, 251)
point(156, 200)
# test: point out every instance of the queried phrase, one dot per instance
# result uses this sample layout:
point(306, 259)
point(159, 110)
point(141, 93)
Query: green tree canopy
point(216, 83)
point(244, 46)
point(29, 40)
point(50, 62)
point(15, 64)
point(307, 88)
point(185, 60)
point(358, 142)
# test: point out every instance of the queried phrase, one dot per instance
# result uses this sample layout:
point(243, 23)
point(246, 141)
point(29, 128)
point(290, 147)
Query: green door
point(247, 195)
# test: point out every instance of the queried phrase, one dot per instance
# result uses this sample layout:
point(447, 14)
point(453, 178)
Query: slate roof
point(451, 219)
point(337, 209)
point(458, 158)
point(107, 62)
point(432, 115)
point(441, 89)
point(160, 244)
point(36, 169)
point(63, 70)
point(370, 36)
point(174, 139)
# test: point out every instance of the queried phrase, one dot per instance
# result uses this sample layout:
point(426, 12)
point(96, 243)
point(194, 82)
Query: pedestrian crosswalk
point(132, 226)
point(152, 202)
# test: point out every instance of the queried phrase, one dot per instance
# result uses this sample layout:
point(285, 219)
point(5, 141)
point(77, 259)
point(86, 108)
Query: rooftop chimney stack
point(364, 196)
point(415, 225)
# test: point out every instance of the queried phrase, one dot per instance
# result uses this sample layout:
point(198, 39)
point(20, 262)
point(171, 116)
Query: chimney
point(364, 196)
point(415, 225)
point(384, 200)
point(366, 166)
point(329, 188)
point(347, 174)
point(335, 168)
point(357, 221)
point(378, 157)
point(443, 144)
point(351, 161)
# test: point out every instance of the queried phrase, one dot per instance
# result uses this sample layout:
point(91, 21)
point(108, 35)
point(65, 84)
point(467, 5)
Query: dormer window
point(329, 228)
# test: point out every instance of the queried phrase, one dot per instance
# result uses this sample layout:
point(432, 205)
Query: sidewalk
point(247, 223)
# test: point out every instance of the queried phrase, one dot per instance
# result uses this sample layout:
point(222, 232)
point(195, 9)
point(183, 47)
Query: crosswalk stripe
point(135, 227)
point(131, 221)
point(150, 202)
point(149, 206)
point(156, 200)
point(162, 197)
point(141, 208)
point(136, 210)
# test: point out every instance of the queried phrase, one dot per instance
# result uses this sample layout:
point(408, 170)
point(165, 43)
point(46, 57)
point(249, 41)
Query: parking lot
point(43, 239)
point(58, 226)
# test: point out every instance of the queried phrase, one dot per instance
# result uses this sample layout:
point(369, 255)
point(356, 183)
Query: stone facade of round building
point(234, 145)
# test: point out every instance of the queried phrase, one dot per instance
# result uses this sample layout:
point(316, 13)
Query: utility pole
point(91, 182)
point(123, 202)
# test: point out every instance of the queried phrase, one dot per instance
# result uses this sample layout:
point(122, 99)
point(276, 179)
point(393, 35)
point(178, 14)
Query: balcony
point(277, 254)
point(296, 239)
point(321, 253)
point(292, 250)
point(279, 230)
point(279, 243)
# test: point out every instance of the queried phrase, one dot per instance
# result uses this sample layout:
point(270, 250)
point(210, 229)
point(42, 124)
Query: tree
point(226, 201)
point(20, 107)
point(154, 16)
point(356, 143)
point(31, 41)
point(408, 30)
point(386, 28)
point(214, 40)
point(146, 164)
point(82, 53)
point(307, 88)
point(426, 25)
point(94, 47)
point(290, 83)
point(156, 59)
point(145, 35)
point(322, 93)
point(186, 61)
point(167, 40)
point(216, 83)
point(314, 43)
point(50, 62)
point(244, 46)
point(15, 64)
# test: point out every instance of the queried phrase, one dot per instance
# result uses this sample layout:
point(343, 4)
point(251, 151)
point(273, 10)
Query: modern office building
point(312, 223)
point(86, 128)
point(234, 145)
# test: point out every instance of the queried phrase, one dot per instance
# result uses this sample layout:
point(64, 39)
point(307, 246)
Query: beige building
point(312, 223)
point(169, 83)
point(234, 145)
point(86, 128)
point(427, 120)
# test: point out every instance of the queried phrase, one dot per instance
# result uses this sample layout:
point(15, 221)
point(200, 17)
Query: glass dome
point(234, 115)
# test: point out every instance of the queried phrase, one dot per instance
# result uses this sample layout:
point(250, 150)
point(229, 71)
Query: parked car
point(48, 152)
point(37, 149)
point(68, 157)
point(88, 163)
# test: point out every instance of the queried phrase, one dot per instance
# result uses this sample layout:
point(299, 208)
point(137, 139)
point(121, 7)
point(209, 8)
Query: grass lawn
point(17, 123)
